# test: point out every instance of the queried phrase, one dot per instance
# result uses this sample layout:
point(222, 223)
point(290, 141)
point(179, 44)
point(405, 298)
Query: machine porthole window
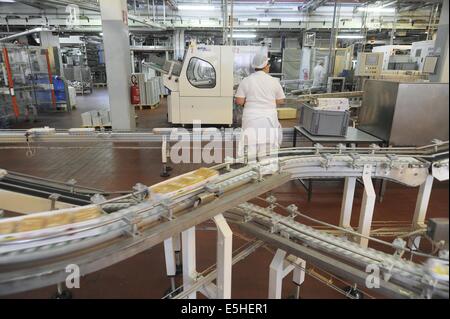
point(201, 74)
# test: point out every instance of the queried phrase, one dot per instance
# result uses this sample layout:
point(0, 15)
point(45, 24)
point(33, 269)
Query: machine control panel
point(369, 64)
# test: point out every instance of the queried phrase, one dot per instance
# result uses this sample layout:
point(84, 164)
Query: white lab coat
point(261, 130)
point(318, 76)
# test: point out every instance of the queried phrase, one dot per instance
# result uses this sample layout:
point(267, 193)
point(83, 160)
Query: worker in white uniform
point(319, 73)
point(259, 94)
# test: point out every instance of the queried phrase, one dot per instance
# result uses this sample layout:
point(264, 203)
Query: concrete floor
point(98, 100)
point(143, 276)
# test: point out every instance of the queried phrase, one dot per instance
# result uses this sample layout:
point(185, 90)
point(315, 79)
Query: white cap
point(259, 61)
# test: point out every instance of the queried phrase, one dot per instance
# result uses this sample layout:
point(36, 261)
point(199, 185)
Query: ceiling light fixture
point(255, 24)
point(243, 36)
point(196, 8)
point(377, 9)
point(350, 36)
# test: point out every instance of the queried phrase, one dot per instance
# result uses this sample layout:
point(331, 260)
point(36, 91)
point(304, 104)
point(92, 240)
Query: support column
point(276, 274)
point(178, 44)
point(367, 206)
point(177, 249)
point(116, 44)
point(298, 276)
point(224, 257)
point(225, 22)
point(420, 212)
point(189, 264)
point(347, 202)
point(441, 47)
point(169, 256)
point(280, 268)
point(423, 198)
point(50, 42)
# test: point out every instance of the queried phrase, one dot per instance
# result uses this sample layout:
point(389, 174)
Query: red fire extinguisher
point(134, 93)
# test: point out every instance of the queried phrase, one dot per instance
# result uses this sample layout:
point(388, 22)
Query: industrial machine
point(420, 51)
point(201, 88)
point(335, 84)
point(401, 106)
point(393, 54)
point(369, 64)
point(429, 64)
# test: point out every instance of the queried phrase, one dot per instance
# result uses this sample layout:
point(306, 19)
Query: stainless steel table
point(354, 136)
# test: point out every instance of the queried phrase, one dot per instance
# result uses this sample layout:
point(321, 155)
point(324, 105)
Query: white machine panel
point(203, 90)
point(210, 110)
point(420, 51)
point(226, 73)
point(173, 104)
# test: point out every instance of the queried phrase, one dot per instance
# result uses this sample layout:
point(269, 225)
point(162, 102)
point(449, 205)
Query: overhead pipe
point(231, 22)
point(164, 11)
point(17, 35)
point(332, 40)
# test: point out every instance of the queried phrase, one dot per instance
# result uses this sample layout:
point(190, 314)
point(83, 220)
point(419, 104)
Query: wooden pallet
point(145, 106)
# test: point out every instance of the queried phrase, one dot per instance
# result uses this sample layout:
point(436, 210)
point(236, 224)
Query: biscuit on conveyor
point(7, 228)
point(86, 214)
point(30, 223)
point(58, 220)
point(184, 181)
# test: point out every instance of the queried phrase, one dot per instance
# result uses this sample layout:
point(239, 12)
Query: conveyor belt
point(406, 274)
point(120, 235)
point(138, 221)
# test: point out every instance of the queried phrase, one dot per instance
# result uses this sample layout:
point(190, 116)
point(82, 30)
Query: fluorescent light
point(254, 24)
point(243, 36)
point(377, 9)
point(8, 1)
point(350, 36)
point(196, 8)
point(244, 30)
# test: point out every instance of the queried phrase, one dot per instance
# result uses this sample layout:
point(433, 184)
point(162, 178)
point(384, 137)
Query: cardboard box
point(286, 113)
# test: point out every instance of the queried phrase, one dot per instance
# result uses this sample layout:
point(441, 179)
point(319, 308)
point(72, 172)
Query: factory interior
point(132, 167)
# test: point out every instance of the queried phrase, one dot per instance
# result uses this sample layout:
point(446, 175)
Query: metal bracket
point(374, 148)
point(272, 201)
point(341, 147)
point(214, 189)
point(355, 158)
point(274, 225)
point(53, 198)
point(293, 211)
point(428, 286)
point(399, 245)
point(318, 147)
point(132, 221)
point(367, 170)
point(259, 176)
point(72, 183)
point(392, 158)
point(386, 270)
point(97, 199)
point(328, 158)
point(437, 142)
point(247, 215)
point(169, 211)
point(142, 190)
